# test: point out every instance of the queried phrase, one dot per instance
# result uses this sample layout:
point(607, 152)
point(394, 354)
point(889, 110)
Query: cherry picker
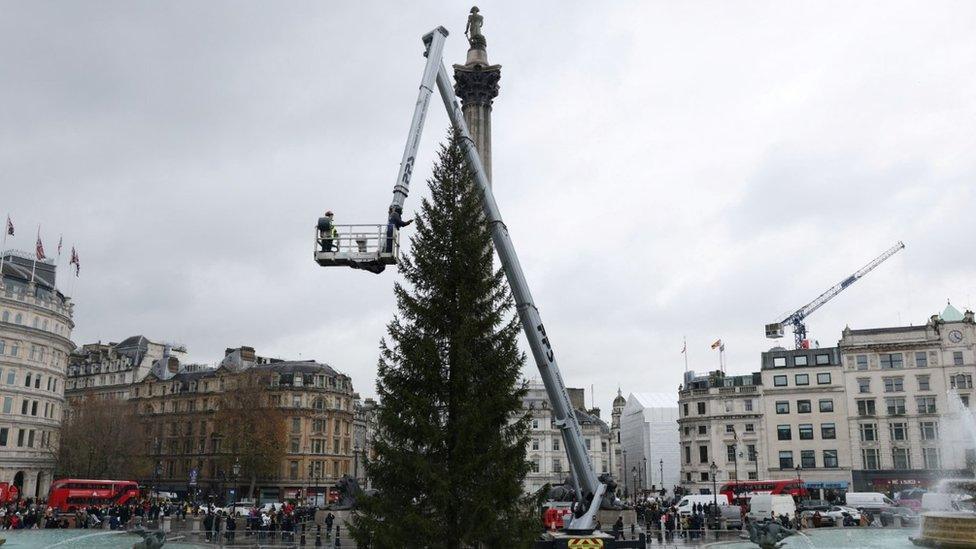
point(373, 247)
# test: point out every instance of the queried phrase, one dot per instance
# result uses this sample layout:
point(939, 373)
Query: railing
point(358, 243)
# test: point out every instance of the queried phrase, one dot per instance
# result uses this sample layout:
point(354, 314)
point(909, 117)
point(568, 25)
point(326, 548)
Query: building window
point(869, 432)
point(926, 404)
point(687, 454)
point(894, 384)
point(930, 430)
point(806, 431)
point(822, 359)
point(961, 381)
point(27, 380)
point(293, 470)
point(895, 406)
point(862, 362)
point(899, 431)
point(730, 453)
point(535, 444)
point(808, 459)
point(930, 456)
point(557, 465)
point(870, 458)
point(902, 458)
point(786, 459)
point(702, 429)
point(782, 407)
point(703, 454)
point(783, 432)
point(957, 358)
point(800, 360)
point(779, 381)
point(830, 459)
point(750, 428)
point(823, 378)
point(892, 361)
point(779, 362)
point(921, 361)
point(923, 383)
point(865, 407)
point(751, 452)
point(802, 379)
point(8, 403)
point(748, 404)
point(828, 431)
point(685, 408)
point(534, 465)
point(701, 408)
point(703, 477)
point(804, 406)
point(729, 428)
point(3, 436)
point(555, 444)
point(826, 405)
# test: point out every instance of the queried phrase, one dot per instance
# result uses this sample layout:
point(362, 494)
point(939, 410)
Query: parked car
point(732, 515)
point(813, 505)
point(908, 517)
point(837, 513)
point(764, 506)
point(874, 501)
point(686, 503)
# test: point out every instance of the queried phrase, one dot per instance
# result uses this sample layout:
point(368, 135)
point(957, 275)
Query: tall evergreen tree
point(450, 451)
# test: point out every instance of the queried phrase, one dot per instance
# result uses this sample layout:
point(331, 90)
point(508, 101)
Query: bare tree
point(252, 430)
point(101, 439)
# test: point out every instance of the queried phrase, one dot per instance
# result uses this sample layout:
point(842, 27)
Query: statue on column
point(473, 30)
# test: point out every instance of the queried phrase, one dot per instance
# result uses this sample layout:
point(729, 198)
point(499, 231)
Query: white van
point(764, 506)
point(936, 501)
point(686, 503)
point(868, 500)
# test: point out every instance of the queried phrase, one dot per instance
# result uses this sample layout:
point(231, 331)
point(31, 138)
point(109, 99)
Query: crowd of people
point(280, 521)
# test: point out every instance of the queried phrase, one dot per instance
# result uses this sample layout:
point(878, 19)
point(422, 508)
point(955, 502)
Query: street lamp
point(633, 472)
point(235, 474)
point(662, 474)
point(644, 473)
point(714, 469)
point(355, 454)
point(157, 471)
point(799, 486)
point(624, 474)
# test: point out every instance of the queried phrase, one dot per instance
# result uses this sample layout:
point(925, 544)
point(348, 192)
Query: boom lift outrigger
point(591, 492)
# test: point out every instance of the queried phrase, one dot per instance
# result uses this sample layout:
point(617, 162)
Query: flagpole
point(3, 247)
point(685, 340)
point(34, 264)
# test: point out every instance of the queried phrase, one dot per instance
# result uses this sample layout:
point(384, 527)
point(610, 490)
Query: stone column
point(476, 85)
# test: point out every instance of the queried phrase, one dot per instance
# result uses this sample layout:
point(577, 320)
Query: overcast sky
point(666, 169)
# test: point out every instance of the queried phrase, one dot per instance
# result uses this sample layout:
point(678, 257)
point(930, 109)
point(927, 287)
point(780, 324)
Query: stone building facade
point(616, 457)
point(649, 444)
point(109, 370)
point(364, 433)
point(908, 389)
point(35, 341)
point(805, 418)
point(546, 449)
point(178, 409)
point(721, 424)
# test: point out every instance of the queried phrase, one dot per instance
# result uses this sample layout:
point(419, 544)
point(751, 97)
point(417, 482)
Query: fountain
point(955, 527)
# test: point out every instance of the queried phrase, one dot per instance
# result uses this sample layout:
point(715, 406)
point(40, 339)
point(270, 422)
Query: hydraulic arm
point(589, 489)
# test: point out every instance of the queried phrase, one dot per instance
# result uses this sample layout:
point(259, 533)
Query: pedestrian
point(395, 222)
point(328, 232)
point(618, 528)
point(208, 523)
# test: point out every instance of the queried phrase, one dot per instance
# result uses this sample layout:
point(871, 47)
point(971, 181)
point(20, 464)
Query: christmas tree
point(450, 449)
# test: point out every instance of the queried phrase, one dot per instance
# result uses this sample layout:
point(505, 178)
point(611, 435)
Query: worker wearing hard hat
point(395, 222)
point(327, 232)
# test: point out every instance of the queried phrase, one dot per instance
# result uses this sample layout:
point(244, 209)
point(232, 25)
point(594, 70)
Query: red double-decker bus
point(68, 494)
point(745, 489)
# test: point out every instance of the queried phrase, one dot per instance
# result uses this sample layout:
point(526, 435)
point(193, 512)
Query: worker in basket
point(395, 222)
point(328, 232)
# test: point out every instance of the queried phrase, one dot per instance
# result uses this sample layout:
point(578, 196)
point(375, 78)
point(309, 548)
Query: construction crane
point(373, 247)
point(796, 318)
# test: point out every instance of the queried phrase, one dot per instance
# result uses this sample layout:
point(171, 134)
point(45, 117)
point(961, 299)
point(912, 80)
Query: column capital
point(477, 85)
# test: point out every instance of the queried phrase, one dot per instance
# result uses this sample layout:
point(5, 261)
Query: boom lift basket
point(358, 246)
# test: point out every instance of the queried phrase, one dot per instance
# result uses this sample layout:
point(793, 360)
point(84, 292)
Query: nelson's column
point(476, 83)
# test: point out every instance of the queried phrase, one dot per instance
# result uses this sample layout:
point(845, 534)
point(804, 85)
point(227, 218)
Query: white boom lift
point(796, 318)
point(369, 247)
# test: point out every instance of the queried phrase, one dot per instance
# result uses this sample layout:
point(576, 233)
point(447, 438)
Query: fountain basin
point(947, 529)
